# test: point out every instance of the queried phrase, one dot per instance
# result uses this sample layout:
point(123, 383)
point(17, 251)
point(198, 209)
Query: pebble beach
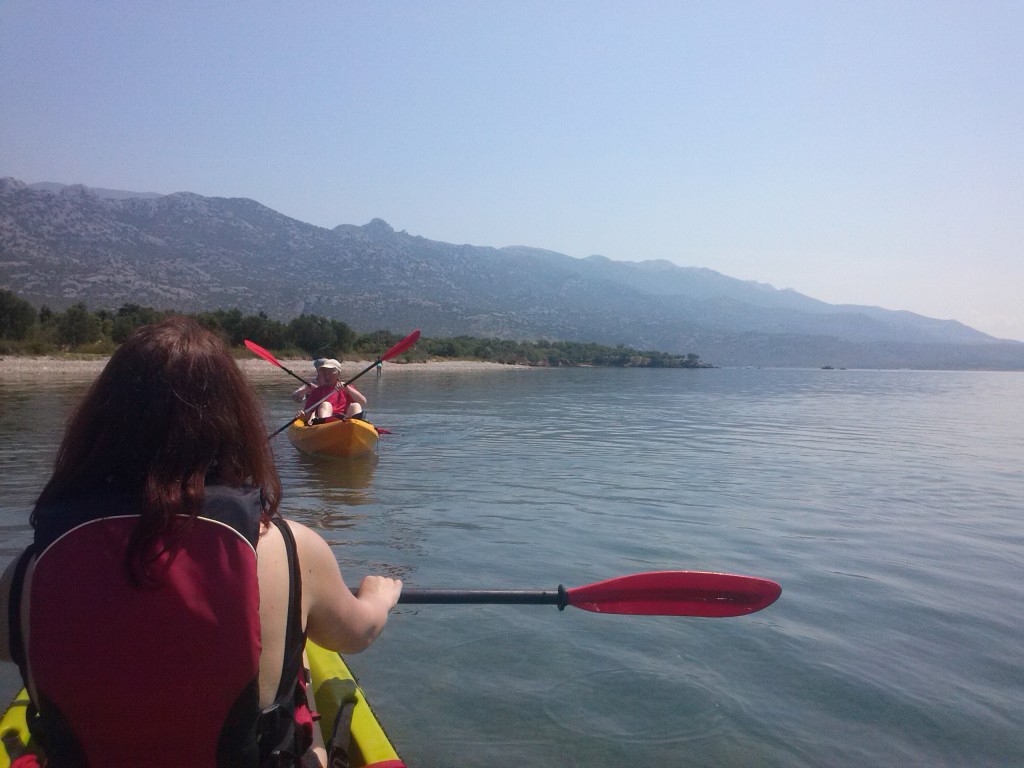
point(15, 368)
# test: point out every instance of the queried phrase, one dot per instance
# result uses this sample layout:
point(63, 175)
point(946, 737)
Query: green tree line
point(27, 331)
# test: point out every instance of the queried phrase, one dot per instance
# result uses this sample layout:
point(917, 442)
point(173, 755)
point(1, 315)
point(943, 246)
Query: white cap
point(328, 363)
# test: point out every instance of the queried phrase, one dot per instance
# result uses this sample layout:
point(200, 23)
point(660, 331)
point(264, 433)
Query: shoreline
point(16, 367)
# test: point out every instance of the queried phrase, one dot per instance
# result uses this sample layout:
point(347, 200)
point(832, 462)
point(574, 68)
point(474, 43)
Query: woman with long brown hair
point(160, 614)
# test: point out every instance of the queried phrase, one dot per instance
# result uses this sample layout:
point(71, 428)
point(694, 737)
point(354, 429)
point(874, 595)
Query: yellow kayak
point(333, 684)
point(351, 437)
point(332, 680)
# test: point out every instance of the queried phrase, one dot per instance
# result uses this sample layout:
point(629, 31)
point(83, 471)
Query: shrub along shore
point(24, 330)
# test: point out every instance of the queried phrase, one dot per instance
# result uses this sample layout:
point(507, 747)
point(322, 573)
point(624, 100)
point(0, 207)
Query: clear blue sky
point(857, 152)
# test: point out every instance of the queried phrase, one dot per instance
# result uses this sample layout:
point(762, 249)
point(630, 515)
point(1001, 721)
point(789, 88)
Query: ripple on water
point(632, 706)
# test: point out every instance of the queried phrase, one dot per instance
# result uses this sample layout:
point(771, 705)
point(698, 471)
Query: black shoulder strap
point(295, 635)
point(16, 639)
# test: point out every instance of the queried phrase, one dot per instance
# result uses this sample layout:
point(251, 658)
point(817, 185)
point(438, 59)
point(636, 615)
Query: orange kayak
point(352, 437)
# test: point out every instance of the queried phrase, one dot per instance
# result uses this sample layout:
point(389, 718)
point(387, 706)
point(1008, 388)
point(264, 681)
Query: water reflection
point(333, 474)
point(323, 492)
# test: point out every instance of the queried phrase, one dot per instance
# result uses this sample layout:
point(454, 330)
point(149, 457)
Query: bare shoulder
point(304, 535)
point(314, 552)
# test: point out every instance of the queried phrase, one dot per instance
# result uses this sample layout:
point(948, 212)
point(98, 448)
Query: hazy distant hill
point(64, 244)
point(110, 194)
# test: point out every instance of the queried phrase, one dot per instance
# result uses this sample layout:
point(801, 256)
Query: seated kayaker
point(159, 616)
point(336, 399)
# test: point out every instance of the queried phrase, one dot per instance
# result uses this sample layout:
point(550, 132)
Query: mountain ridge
point(189, 252)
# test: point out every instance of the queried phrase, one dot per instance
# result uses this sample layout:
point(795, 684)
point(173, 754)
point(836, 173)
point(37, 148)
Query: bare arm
point(335, 618)
point(354, 395)
point(300, 394)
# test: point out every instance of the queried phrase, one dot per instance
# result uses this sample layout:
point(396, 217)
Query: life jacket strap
point(17, 642)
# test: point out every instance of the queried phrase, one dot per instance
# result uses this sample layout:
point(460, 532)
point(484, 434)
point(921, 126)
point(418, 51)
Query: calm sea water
point(887, 504)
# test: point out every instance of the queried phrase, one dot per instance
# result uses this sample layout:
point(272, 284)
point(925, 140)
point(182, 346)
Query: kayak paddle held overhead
point(259, 351)
point(393, 352)
point(659, 593)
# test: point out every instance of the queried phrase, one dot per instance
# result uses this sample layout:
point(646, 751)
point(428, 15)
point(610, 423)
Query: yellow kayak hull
point(370, 746)
point(14, 720)
point(352, 437)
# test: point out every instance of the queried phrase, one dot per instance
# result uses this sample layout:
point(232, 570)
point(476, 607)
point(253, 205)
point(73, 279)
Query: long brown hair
point(170, 412)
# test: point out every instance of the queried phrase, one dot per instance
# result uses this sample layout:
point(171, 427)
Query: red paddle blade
point(403, 345)
point(256, 349)
point(677, 593)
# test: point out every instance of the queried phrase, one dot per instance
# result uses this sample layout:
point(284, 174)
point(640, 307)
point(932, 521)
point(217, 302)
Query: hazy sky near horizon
point(857, 152)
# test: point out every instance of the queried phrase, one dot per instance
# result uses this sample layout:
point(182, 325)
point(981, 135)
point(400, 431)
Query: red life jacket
point(163, 675)
point(337, 398)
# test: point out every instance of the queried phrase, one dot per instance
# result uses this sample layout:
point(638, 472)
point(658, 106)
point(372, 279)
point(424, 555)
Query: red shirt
point(337, 398)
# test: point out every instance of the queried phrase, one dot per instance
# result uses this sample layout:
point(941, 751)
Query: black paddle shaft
point(485, 597)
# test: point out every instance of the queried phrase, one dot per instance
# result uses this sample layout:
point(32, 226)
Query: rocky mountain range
point(65, 244)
